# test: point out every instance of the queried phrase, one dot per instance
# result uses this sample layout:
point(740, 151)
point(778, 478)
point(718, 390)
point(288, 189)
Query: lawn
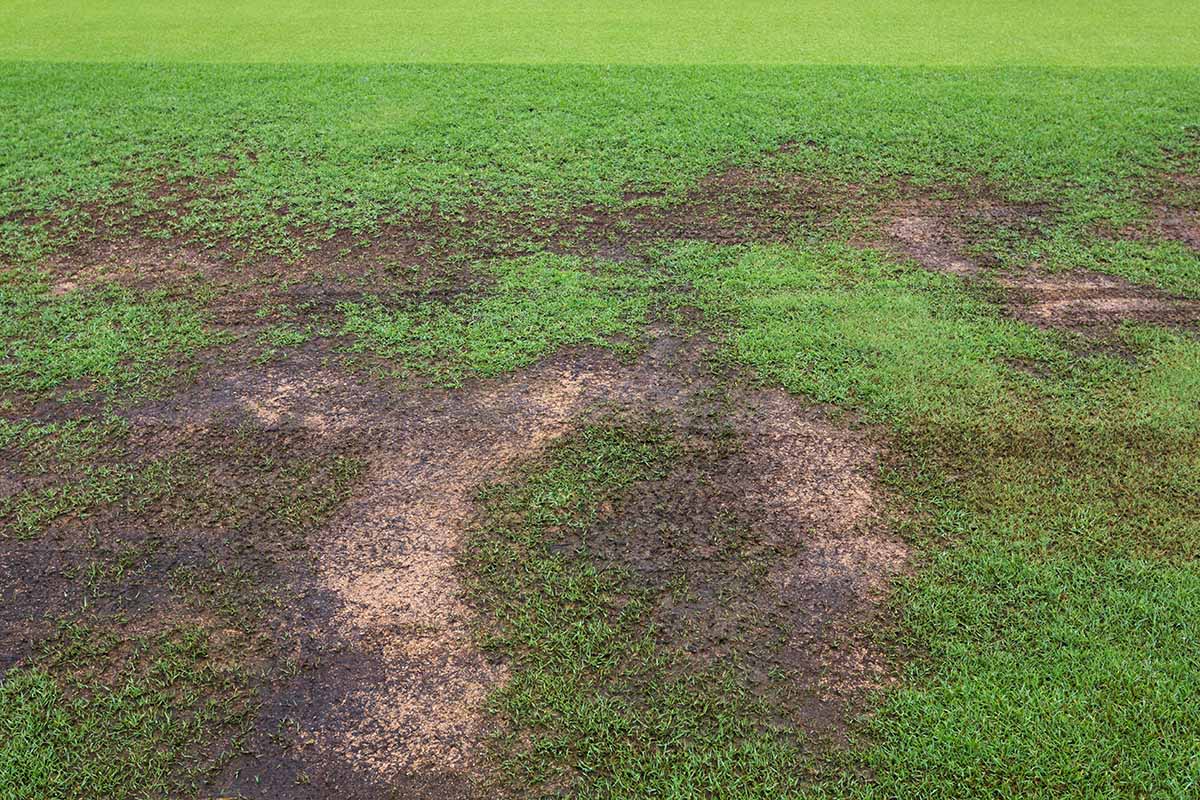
point(610, 400)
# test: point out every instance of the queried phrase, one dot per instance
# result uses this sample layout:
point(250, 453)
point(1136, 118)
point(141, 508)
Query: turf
point(1046, 480)
point(1114, 32)
point(205, 150)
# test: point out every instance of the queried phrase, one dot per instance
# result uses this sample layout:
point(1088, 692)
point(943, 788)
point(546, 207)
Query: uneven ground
point(476, 431)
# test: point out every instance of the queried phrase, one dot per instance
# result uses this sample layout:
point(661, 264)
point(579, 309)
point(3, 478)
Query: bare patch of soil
point(390, 558)
point(1176, 208)
point(1092, 302)
point(928, 231)
point(941, 235)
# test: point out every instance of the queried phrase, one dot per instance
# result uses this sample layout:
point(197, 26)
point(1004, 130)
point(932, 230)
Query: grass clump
point(90, 720)
point(535, 306)
point(108, 337)
point(1167, 265)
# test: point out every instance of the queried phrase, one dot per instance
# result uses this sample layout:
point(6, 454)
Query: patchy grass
point(595, 705)
point(132, 487)
point(1049, 482)
point(203, 151)
point(1167, 265)
point(536, 305)
point(1059, 640)
point(102, 716)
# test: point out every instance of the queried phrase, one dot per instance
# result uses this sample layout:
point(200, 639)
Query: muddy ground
point(316, 516)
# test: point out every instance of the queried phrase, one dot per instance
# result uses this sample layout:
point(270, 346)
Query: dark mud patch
point(1175, 208)
point(1091, 302)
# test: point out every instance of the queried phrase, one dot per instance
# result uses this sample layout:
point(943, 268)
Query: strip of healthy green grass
point(255, 153)
point(1056, 617)
point(1071, 32)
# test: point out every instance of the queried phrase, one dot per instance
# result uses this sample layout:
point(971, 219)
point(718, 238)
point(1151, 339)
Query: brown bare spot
point(938, 235)
point(1081, 300)
point(818, 481)
point(390, 556)
point(927, 232)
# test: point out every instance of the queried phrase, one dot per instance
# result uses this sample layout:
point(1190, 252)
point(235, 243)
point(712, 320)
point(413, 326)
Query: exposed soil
point(365, 613)
point(1176, 208)
point(942, 235)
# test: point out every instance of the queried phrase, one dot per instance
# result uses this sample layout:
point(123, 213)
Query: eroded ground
point(298, 502)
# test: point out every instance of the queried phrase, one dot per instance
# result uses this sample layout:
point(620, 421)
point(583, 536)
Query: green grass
point(535, 306)
point(1167, 265)
point(356, 145)
point(1071, 32)
point(110, 337)
point(79, 734)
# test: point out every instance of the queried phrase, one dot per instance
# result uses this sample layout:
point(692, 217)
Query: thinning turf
point(258, 154)
point(1059, 627)
point(1053, 490)
point(120, 735)
point(1071, 32)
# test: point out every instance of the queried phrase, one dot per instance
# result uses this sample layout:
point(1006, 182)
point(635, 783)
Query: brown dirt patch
point(390, 684)
point(1092, 302)
point(941, 235)
point(1176, 208)
point(389, 558)
point(928, 231)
